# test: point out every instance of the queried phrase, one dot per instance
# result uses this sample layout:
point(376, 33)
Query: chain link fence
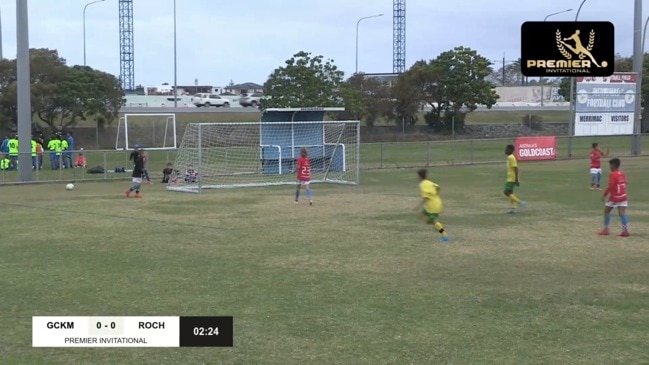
point(103, 164)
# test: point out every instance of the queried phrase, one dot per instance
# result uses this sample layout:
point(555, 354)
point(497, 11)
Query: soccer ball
point(69, 187)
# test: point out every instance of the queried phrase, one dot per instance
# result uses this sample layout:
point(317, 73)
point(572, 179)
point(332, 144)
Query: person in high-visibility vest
point(34, 156)
point(51, 146)
point(13, 152)
point(4, 163)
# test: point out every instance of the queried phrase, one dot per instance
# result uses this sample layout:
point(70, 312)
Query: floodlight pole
point(541, 78)
point(24, 122)
point(1, 53)
point(638, 55)
point(84, 27)
point(175, 62)
point(573, 105)
point(357, 24)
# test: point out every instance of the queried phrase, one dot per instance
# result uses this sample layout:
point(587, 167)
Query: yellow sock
point(513, 200)
point(440, 228)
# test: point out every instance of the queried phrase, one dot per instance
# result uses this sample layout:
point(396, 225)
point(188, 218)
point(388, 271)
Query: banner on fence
point(605, 105)
point(536, 148)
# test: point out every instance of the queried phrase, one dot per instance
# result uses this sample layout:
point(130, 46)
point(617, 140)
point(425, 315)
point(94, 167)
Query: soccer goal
point(229, 155)
point(152, 131)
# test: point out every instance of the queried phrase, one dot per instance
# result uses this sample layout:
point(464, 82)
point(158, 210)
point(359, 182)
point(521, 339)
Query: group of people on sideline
point(59, 147)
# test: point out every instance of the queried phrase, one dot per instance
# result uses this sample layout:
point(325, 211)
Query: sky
point(244, 41)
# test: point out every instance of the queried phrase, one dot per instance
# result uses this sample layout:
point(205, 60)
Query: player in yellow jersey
point(431, 204)
point(512, 180)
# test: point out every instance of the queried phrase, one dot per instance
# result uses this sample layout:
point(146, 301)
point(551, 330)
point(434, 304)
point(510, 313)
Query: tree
point(623, 64)
point(406, 101)
point(564, 89)
point(366, 98)
point(61, 95)
point(508, 75)
point(304, 81)
point(88, 92)
point(47, 69)
point(452, 84)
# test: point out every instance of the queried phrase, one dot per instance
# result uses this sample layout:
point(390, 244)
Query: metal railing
point(372, 156)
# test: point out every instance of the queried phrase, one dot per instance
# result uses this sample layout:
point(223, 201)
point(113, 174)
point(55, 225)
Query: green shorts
point(509, 186)
point(430, 217)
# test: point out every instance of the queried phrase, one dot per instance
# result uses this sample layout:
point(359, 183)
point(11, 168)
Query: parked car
point(252, 100)
point(208, 100)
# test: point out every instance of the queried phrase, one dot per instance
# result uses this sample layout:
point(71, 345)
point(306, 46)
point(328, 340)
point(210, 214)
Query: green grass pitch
point(355, 279)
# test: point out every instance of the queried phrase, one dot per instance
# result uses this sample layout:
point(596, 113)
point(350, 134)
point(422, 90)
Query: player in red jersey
point(596, 166)
point(617, 198)
point(303, 175)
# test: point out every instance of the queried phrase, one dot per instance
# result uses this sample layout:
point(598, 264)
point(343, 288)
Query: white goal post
point(155, 131)
point(230, 155)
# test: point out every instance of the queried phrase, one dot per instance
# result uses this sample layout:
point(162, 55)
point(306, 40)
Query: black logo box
point(539, 42)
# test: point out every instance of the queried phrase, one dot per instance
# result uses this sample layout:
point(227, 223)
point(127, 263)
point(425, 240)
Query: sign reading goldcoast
point(567, 49)
point(535, 148)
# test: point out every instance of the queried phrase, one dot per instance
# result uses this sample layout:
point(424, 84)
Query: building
point(245, 88)
point(195, 89)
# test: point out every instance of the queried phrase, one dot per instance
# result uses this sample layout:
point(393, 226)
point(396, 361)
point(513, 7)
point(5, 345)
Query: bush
point(533, 121)
point(447, 122)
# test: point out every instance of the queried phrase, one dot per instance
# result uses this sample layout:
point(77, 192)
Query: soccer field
point(355, 279)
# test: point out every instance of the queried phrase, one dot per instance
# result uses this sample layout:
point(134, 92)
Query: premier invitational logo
point(557, 49)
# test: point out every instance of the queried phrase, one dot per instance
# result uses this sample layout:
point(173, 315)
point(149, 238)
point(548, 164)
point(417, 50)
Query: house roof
point(245, 85)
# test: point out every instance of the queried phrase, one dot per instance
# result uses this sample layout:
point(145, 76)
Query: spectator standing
point(13, 152)
point(39, 152)
point(53, 145)
point(4, 147)
point(34, 147)
point(64, 147)
point(68, 155)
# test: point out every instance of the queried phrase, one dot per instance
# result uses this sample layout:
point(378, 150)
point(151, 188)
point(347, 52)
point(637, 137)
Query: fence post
point(427, 153)
point(381, 156)
point(471, 152)
point(529, 120)
point(105, 167)
point(453, 126)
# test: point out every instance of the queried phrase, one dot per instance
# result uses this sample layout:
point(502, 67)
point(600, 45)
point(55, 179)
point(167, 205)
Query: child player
point(617, 198)
point(137, 176)
point(303, 176)
point(512, 180)
point(596, 166)
point(431, 203)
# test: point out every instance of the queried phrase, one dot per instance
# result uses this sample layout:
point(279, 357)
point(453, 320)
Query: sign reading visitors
point(535, 148)
point(605, 105)
point(68, 331)
point(567, 49)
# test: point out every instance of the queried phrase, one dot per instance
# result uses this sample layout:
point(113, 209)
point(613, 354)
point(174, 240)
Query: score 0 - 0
point(106, 326)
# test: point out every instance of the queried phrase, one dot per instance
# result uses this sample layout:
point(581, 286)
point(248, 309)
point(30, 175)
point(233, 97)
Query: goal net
point(228, 155)
point(152, 131)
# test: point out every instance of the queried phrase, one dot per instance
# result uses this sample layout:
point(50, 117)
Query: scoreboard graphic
point(132, 331)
